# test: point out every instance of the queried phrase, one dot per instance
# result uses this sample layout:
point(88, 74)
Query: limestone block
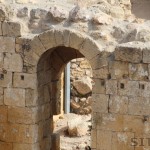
point(100, 103)
point(58, 34)
point(100, 60)
point(31, 97)
point(18, 133)
point(122, 140)
point(118, 104)
point(99, 86)
point(144, 89)
point(117, 12)
point(1, 60)
point(22, 115)
point(5, 146)
point(118, 69)
point(90, 49)
point(36, 46)
point(111, 122)
point(146, 56)
point(83, 86)
point(139, 106)
point(13, 62)
point(66, 37)
point(111, 87)
point(11, 29)
point(0, 28)
point(24, 80)
point(104, 141)
point(101, 73)
point(133, 123)
point(138, 71)
point(76, 40)
point(17, 146)
point(7, 44)
point(47, 39)
point(1, 96)
point(14, 97)
point(85, 64)
point(128, 54)
point(130, 88)
point(6, 79)
point(31, 57)
point(3, 114)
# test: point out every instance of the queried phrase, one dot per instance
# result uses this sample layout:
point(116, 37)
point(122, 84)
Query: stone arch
point(41, 52)
point(61, 37)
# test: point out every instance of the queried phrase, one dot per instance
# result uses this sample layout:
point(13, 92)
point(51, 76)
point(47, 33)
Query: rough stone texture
point(14, 97)
point(83, 86)
point(37, 40)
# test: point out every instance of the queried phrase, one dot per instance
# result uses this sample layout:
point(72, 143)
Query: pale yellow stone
point(24, 80)
point(7, 44)
point(13, 62)
point(14, 97)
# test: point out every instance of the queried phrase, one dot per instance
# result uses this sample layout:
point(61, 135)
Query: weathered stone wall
point(115, 43)
point(81, 86)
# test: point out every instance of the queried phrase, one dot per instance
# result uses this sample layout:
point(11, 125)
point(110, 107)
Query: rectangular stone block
point(11, 29)
point(101, 73)
point(146, 56)
point(99, 86)
point(22, 115)
point(111, 122)
point(14, 97)
point(104, 142)
point(18, 133)
point(119, 70)
point(111, 87)
point(31, 97)
point(13, 62)
point(6, 79)
point(1, 96)
point(7, 44)
point(118, 104)
point(24, 80)
point(128, 53)
point(100, 103)
point(17, 146)
point(139, 106)
point(129, 88)
point(134, 124)
point(3, 114)
point(122, 140)
point(138, 72)
point(6, 146)
point(144, 88)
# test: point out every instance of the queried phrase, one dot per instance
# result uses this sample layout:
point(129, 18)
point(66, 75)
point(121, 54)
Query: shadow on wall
point(141, 8)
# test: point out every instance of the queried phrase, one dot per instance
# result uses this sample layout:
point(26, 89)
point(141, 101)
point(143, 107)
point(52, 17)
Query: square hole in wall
point(122, 85)
point(109, 76)
point(1, 76)
point(142, 86)
point(102, 83)
point(22, 77)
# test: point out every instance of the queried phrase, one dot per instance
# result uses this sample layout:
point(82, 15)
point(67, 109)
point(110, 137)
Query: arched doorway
point(49, 53)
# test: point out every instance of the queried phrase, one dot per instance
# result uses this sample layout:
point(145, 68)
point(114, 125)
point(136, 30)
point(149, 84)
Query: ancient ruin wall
point(117, 47)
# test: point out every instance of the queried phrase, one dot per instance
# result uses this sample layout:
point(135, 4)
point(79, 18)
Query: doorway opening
point(51, 97)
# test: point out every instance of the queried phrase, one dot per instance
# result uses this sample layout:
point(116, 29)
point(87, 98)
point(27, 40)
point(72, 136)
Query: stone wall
point(81, 86)
point(32, 60)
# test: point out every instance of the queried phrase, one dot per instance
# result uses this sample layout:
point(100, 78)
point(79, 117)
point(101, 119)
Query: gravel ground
point(72, 143)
